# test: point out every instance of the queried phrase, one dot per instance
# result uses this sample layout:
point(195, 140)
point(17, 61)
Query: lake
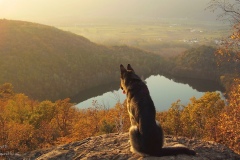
point(164, 91)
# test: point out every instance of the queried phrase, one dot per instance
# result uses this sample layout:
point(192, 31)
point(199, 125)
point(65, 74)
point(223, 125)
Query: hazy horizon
point(56, 12)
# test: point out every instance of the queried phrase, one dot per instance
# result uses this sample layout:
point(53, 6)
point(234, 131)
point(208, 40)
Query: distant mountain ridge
point(47, 63)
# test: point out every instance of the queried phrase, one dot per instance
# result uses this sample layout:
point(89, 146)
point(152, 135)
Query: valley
point(63, 64)
point(160, 36)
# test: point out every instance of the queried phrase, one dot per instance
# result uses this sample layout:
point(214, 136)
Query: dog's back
point(146, 137)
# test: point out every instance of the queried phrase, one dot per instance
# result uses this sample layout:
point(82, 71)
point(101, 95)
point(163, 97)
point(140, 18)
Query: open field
point(163, 38)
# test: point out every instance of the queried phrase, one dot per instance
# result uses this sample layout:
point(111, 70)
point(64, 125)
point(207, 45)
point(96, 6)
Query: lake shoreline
point(157, 83)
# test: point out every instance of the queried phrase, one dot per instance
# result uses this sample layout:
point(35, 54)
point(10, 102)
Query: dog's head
point(128, 76)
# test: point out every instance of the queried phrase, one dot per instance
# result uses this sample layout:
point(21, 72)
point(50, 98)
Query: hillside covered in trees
point(46, 63)
point(203, 63)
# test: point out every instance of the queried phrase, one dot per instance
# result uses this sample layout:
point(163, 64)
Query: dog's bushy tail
point(169, 151)
point(137, 145)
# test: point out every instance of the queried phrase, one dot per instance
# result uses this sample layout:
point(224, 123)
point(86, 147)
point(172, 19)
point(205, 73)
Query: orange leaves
point(207, 118)
point(173, 118)
point(197, 119)
point(20, 136)
point(64, 116)
point(229, 128)
point(204, 115)
point(236, 32)
point(97, 120)
point(229, 123)
point(28, 125)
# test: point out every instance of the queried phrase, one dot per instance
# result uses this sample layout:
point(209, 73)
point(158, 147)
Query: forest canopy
point(27, 124)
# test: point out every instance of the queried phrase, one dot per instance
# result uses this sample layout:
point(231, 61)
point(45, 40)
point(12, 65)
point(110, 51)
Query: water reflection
point(164, 91)
point(200, 85)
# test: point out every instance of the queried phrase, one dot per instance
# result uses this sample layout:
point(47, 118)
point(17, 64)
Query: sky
point(60, 11)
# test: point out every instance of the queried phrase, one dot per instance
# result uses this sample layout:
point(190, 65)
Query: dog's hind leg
point(135, 140)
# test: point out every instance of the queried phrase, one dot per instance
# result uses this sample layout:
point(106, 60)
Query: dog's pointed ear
point(130, 68)
point(122, 69)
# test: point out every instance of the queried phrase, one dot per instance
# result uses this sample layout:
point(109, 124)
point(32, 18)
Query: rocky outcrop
point(116, 146)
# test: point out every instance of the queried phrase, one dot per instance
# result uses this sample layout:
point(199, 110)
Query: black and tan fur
point(146, 135)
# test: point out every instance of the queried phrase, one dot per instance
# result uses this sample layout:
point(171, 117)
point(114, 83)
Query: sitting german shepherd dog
point(146, 134)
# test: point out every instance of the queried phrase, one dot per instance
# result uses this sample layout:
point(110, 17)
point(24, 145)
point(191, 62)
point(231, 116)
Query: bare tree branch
point(230, 9)
point(231, 12)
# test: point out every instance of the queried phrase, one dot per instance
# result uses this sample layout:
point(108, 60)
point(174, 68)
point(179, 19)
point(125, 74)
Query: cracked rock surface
point(116, 146)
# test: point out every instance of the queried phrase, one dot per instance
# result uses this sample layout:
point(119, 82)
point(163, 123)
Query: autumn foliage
point(229, 123)
point(27, 124)
point(207, 118)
